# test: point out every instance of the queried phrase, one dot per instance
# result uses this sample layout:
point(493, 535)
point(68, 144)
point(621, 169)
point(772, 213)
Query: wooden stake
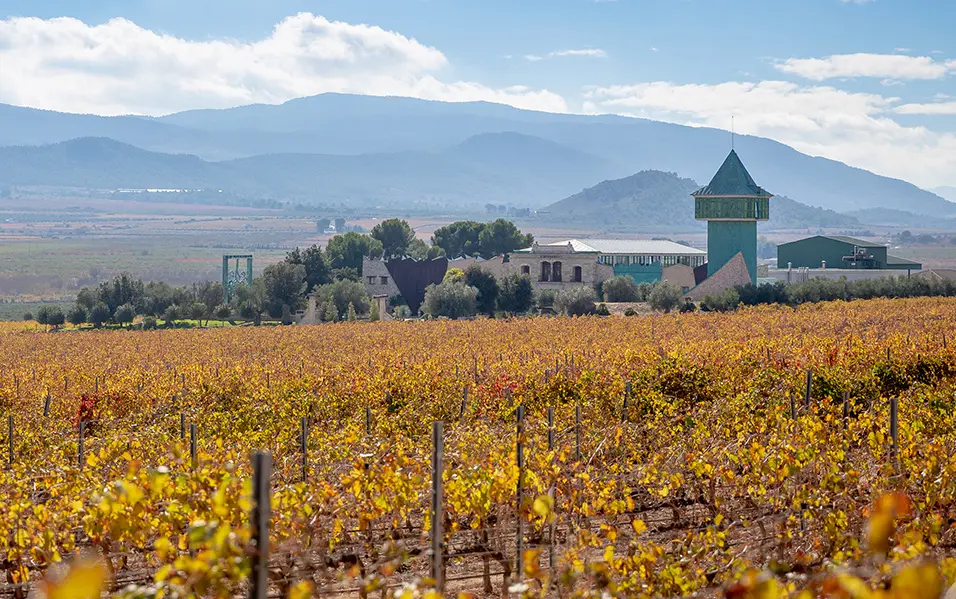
point(519, 543)
point(192, 445)
point(437, 536)
point(261, 508)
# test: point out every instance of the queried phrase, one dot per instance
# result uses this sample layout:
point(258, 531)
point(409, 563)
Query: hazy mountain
point(337, 124)
point(901, 218)
point(946, 192)
point(654, 200)
point(503, 168)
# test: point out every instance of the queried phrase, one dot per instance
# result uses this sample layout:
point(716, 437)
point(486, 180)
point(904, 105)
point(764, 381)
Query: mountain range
point(655, 201)
point(392, 151)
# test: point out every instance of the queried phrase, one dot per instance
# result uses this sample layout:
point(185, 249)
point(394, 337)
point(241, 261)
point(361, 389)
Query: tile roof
point(732, 180)
point(729, 275)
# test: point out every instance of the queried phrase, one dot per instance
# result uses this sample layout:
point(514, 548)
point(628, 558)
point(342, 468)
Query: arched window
point(577, 274)
point(556, 272)
point(545, 271)
point(526, 270)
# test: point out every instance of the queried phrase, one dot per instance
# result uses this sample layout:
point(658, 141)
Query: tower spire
point(733, 133)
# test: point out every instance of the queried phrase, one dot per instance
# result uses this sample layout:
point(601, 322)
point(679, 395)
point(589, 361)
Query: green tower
point(732, 204)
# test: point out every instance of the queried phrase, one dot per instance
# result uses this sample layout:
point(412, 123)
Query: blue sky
point(871, 83)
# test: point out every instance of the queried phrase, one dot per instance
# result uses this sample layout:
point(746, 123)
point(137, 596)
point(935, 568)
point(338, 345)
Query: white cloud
point(586, 52)
point(934, 108)
point(855, 128)
point(118, 67)
point(883, 66)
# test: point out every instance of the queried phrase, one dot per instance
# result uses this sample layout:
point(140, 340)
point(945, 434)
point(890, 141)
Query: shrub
point(545, 298)
point(28, 316)
point(402, 312)
point(50, 315)
point(726, 301)
point(149, 323)
point(665, 297)
point(602, 310)
point(630, 312)
point(374, 314)
point(454, 300)
point(350, 313)
point(576, 301)
point(621, 289)
point(454, 275)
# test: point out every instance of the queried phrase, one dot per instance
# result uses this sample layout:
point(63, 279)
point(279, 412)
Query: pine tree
point(329, 312)
point(350, 313)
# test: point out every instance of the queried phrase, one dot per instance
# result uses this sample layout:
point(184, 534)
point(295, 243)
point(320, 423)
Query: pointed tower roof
point(733, 180)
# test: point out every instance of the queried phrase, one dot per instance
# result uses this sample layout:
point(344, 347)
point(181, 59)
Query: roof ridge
point(732, 180)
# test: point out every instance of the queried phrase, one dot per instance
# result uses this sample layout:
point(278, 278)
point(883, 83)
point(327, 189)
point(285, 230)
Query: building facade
point(591, 261)
point(732, 204)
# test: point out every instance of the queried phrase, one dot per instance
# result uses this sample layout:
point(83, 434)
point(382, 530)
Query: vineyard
point(765, 453)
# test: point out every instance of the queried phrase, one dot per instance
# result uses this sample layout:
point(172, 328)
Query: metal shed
point(837, 251)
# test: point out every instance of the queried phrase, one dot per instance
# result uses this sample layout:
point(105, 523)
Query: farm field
point(683, 452)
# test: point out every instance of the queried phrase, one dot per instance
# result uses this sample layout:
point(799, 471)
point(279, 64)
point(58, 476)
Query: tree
point(284, 285)
point(343, 293)
point(223, 312)
point(99, 314)
point(322, 224)
point(55, 317)
point(419, 250)
point(374, 313)
point(486, 285)
point(329, 312)
point(516, 294)
point(157, 296)
point(340, 225)
point(77, 315)
point(347, 250)
point(87, 298)
point(454, 300)
point(317, 271)
point(395, 235)
point(576, 301)
point(665, 296)
point(198, 311)
point(172, 314)
point(251, 300)
point(350, 313)
point(122, 289)
point(459, 238)
point(501, 237)
point(621, 289)
point(124, 314)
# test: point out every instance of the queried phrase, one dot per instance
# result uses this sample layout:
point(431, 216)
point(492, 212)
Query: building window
point(556, 272)
point(371, 280)
point(526, 270)
point(577, 274)
point(545, 272)
point(383, 280)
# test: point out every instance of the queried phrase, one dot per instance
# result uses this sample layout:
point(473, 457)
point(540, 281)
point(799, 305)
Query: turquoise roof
point(733, 180)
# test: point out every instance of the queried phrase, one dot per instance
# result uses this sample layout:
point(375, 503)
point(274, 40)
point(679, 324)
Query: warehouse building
point(839, 252)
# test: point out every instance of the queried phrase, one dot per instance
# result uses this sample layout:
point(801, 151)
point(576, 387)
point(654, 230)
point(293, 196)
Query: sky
point(871, 83)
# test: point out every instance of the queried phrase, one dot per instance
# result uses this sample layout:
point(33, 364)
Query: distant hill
point(336, 124)
point(654, 200)
point(500, 168)
point(946, 192)
point(901, 218)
